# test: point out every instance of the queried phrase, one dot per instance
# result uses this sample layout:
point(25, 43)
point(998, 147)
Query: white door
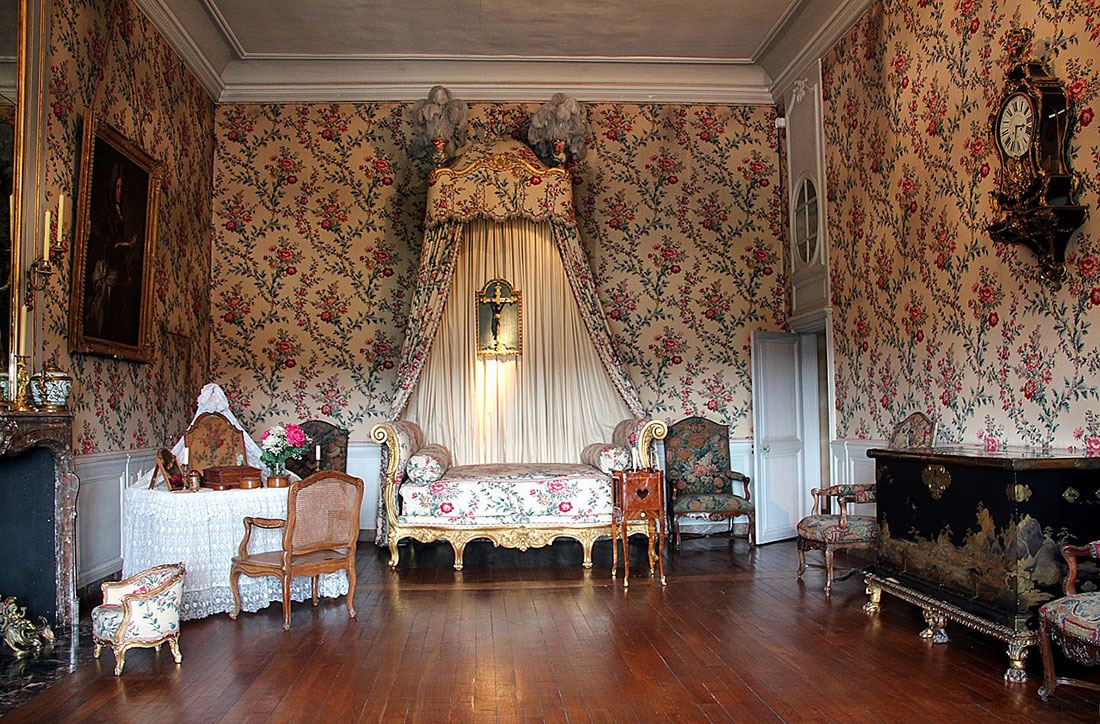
point(785, 438)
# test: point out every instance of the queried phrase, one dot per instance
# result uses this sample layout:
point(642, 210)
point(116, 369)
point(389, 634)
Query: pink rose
point(557, 487)
point(295, 436)
point(436, 488)
point(446, 507)
point(992, 444)
point(1088, 266)
point(1092, 445)
point(565, 506)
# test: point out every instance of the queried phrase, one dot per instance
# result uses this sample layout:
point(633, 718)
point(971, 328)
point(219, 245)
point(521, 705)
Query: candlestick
point(22, 348)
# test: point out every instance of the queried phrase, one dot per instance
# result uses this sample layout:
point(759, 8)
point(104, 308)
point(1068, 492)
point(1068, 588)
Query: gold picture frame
point(499, 308)
point(111, 293)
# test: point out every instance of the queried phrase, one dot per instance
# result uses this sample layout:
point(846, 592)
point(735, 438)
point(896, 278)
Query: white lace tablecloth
point(203, 531)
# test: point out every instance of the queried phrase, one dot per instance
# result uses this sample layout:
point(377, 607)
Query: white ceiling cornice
point(200, 34)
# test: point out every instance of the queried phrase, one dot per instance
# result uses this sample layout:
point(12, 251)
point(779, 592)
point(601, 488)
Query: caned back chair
point(319, 536)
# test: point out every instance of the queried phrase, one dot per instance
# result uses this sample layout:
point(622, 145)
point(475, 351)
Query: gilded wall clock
point(1036, 199)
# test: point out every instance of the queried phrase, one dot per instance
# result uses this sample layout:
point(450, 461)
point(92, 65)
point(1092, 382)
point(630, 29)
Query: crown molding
point(841, 20)
point(780, 25)
point(223, 27)
point(192, 55)
point(488, 92)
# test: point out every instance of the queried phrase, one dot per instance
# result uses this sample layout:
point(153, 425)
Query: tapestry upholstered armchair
point(142, 611)
point(334, 449)
point(1072, 622)
point(697, 462)
point(319, 536)
point(827, 531)
point(212, 440)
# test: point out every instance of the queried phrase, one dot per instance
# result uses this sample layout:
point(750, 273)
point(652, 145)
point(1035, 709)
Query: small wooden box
point(230, 477)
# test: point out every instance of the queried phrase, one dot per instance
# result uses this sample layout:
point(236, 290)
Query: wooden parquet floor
point(528, 637)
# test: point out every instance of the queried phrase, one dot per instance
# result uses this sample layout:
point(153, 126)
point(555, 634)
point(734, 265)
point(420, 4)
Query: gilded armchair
point(142, 611)
point(319, 536)
point(1072, 622)
point(697, 462)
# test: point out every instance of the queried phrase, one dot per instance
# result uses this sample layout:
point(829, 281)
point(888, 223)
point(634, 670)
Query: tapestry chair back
point(323, 513)
point(334, 449)
point(915, 431)
point(212, 440)
point(697, 457)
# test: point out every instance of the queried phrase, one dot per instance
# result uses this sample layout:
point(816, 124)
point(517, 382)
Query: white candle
point(46, 253)
point(60, 224)
point(22, 330)
point(318, 453)
point(185, 457)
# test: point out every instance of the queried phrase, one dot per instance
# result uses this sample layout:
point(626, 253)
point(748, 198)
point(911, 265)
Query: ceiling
point(663, 50)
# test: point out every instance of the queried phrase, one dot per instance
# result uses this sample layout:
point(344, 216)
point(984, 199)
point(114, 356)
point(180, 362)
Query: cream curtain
point(544, 406)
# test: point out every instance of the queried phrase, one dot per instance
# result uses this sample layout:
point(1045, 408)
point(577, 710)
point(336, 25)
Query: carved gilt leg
point(626, 554)
point(936, 629)
point(614, 548)
point(874, 598)
point(586, 543)
point(174, 645)
point(98, 648)
point(651, 534)
point(1050, 680)
point(460, 548)
point(394, 555)
point(120, 660)
point(661, 550)
point(234, 575)
point(1017, 656)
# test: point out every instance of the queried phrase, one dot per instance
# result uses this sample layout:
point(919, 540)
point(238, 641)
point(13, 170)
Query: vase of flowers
point(282, 443)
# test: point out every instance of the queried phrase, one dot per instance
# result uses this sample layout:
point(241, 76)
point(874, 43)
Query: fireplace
point(38, 514)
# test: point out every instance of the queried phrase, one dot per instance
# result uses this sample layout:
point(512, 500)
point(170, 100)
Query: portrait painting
point(113, 254)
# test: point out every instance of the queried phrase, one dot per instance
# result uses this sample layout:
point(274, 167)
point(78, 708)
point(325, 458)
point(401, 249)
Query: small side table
point(638, 495)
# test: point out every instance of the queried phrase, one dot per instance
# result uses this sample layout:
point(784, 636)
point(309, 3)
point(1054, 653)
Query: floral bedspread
point(509, 494)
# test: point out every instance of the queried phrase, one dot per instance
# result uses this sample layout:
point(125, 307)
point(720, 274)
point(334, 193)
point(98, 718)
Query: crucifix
point(499, 319)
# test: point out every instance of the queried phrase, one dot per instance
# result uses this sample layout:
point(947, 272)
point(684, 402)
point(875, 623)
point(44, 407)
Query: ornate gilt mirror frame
point(29, 130)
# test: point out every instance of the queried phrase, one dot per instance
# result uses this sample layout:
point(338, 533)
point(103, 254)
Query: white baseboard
point(99, 510)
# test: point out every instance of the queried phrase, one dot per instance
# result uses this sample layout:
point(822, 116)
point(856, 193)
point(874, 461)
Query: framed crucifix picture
point(499, 320)
point(111, 295)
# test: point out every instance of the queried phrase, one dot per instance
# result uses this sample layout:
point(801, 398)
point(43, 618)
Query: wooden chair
point(697, 466)
point(830, 532)
point(212, 440)
point(334, 449)
point(319, 536)
point(1072, 622)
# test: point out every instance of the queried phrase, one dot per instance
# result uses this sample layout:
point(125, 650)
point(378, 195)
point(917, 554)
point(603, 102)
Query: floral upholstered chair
point(1072, 622)
point(829, 532)
point(697, 462)
point(212, 441)
point(142, 611)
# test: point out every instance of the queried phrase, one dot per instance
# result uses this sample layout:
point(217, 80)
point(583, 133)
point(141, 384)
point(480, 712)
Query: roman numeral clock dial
point(1016, 128)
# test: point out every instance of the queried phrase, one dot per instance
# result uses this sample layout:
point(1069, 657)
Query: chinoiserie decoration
point(1036, 200)
point(439, 126)
point(50, 388)
point(23, 637)
point(559, 131)
point(499, 320)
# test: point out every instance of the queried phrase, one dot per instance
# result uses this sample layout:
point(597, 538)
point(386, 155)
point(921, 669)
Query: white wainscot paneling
point(741, 462)
point(99, 510)
point(365, 461)
point(850, 465)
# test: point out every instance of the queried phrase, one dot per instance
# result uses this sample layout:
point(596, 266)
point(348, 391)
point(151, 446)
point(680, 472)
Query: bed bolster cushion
point(428, 464)
point(606, 457)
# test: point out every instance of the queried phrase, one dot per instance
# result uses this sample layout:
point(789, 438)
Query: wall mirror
point(23, 43)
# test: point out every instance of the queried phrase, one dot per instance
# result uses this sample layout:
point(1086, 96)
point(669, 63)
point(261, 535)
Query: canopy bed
point(508, 363)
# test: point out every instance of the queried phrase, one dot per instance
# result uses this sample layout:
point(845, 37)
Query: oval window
point(805, 221)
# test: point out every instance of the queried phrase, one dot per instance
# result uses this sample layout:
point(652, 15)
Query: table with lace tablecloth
point(203, 531)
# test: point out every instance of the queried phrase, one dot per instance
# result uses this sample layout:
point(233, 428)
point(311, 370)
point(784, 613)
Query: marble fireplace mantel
point(21, 431)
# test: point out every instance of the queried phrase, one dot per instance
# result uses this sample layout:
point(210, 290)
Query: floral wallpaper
point(107, 58)
point(930, 314)
point(318, 221)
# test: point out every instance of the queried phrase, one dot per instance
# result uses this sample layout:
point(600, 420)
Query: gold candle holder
point(22, 400)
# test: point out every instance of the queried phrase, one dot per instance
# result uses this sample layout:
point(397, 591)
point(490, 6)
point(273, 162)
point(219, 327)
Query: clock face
point(1016, 128)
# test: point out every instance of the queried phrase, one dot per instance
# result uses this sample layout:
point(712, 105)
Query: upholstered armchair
point(334, 449)
point(697, 468)
point(1072, 622)
point(319, 536)
point(829, 531)
point(142, 611)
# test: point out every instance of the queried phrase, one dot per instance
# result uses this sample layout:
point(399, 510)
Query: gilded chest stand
point(974, 537)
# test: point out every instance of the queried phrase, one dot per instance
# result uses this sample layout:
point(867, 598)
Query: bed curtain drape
point(543, 406)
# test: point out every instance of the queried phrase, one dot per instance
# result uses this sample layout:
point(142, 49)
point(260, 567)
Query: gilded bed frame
point(519, 535)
